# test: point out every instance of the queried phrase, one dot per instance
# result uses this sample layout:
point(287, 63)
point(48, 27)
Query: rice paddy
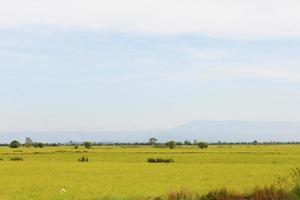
point(123, 172)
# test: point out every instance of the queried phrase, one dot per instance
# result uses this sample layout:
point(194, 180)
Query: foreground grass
point(124, 173)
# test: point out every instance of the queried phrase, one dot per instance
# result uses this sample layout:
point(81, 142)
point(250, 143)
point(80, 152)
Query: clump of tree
point(202, 145)
point(171, 144)
point(152, 141)
point(15, 144)
point(186, 142)
point(28, 142)
point(87, 144)
point(38, 145)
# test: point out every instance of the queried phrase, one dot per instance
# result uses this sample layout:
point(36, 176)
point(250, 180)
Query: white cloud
point(234, 71)
point(206, 54)
point(227, 18)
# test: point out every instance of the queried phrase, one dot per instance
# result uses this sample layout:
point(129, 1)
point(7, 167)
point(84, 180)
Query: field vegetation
point(219, 172)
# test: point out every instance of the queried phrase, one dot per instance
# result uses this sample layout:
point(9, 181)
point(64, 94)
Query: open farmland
point(55, 173)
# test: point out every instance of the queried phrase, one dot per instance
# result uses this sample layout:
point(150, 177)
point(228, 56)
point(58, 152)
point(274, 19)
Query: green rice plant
point(295, 192)
point(183, 194)
point(270, 193)
point(124, 173)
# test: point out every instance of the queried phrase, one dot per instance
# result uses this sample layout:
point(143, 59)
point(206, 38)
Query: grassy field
point(55, 173)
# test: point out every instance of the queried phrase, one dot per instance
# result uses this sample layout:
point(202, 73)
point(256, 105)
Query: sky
point(89, 65)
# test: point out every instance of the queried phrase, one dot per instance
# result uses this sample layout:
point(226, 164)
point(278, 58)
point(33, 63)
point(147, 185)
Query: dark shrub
point(87, 144)
point(151, 160)
point(14, 144)
point(168, 160)
point(223, 194)
point(41, 145)
point(76, 147)
point(202, 145)
point(83, 159)
point(160, 160)
point(16, 159)
point(38, 145)
point(171, 144)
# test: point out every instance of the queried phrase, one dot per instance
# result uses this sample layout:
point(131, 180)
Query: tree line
point(28, 142)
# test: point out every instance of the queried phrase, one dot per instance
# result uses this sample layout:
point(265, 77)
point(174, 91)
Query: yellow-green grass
point(122, 172)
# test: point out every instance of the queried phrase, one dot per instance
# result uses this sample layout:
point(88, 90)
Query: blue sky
point(125, 68)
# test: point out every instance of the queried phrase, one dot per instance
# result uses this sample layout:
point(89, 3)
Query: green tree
point(14, 144)
point(28, 142)
point(186, 142)
point(152, 140)
point(171, 144)
point(87, 144)
point(38, 145)
point(202, 145)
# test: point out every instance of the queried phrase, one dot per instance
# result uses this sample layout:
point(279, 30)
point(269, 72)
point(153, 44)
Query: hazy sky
point(147, 64)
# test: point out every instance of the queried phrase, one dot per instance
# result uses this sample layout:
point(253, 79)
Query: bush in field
point(16, 159)
point(151, 160)
point(76, 147)
point(38, 145)
point(87, 144)
point(83, 159)
point(14, 144)
point(171, 144)
point(202, 145)
point(160, 160)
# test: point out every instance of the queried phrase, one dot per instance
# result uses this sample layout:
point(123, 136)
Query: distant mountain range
point(210, 131)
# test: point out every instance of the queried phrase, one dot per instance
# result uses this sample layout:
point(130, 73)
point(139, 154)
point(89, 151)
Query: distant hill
point(211, 131)
point(238, 131)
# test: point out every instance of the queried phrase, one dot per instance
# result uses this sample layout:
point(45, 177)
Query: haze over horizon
point(146, 65)
point(203, 130)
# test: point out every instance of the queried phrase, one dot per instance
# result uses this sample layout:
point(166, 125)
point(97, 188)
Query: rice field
point(123, 172)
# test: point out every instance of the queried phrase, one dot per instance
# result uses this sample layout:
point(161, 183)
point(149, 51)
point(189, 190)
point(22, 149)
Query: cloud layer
point(255, 19)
